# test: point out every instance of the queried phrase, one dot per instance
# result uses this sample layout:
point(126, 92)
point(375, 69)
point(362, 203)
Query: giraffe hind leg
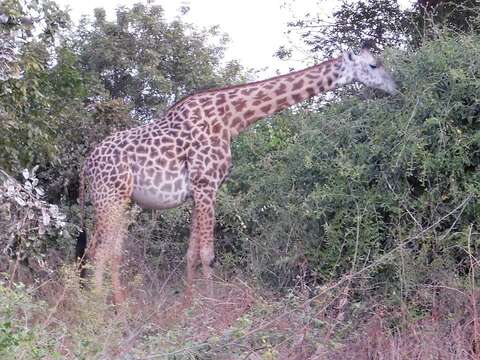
point(106, 245)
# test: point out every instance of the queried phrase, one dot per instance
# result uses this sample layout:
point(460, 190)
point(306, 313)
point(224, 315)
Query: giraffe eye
point(373, 66)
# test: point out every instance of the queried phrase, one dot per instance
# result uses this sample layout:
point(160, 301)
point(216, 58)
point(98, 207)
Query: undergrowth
point(341, 320)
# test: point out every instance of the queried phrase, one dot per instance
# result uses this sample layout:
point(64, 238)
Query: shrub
point(365, 176)
point(30, 225)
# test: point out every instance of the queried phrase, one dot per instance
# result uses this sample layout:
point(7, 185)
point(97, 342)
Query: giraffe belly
point(164, 195)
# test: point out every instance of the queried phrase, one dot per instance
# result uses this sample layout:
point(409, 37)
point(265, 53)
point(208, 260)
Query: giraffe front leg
point(207, 255)
point(204, 226)
point(193, 256)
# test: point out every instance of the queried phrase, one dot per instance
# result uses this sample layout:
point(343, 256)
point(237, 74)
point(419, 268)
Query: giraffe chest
point(160, 188)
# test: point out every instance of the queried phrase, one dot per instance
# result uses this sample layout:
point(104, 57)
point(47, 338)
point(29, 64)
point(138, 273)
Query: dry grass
point(56, 319)
point(239, 322)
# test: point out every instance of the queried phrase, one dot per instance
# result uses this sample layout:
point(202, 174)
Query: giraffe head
point(368, 70)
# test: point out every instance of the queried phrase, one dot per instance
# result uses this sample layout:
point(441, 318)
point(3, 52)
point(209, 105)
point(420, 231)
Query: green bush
point(317, 194)
point(20, 335)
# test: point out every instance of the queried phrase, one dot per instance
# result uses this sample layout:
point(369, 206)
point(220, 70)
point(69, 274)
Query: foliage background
point(337, 211)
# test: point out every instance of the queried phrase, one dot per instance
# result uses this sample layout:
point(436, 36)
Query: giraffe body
point(186, 155)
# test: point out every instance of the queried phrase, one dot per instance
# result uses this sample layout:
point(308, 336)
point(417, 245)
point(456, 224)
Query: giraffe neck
point(260, 99)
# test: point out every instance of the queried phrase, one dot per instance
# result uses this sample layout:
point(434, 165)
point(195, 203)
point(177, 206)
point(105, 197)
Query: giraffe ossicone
point(186, 155)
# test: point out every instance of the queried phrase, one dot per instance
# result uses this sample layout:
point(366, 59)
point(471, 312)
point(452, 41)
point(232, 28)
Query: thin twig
point(472, 293)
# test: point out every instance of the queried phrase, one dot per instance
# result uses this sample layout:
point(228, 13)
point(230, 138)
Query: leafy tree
point(458, 15)
point(149, 62)
point(382, 21)
point(26, 124)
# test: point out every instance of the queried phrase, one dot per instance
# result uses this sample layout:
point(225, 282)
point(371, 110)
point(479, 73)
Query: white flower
point(20, 201)
point(54, 210)
point(45, 217)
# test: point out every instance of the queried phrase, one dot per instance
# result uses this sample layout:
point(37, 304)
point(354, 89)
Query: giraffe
point(186, 155)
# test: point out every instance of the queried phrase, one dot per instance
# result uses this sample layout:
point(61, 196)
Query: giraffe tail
point(81, 246)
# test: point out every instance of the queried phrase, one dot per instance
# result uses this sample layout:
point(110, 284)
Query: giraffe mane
point(239, 86)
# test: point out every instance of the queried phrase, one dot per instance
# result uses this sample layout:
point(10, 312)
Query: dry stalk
point(473, 300)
